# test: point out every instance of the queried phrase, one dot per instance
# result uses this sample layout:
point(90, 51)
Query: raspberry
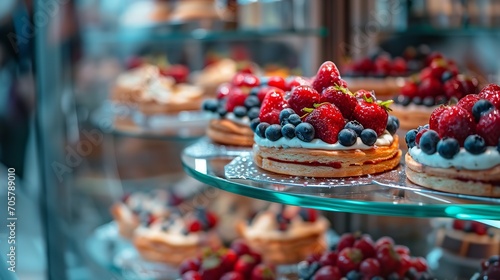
point(489, 127)
point(456, 122)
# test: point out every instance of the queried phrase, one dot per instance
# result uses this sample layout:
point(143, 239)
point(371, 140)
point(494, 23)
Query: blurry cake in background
point(214, 74)
point(490, 269)
point(188, 10)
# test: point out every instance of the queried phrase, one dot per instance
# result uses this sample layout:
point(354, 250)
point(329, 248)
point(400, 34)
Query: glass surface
point(385, 194)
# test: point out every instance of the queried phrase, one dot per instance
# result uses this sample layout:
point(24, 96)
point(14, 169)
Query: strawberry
point(191, 275)
point(430, 86)
point(292, 82)
point(328, 273)
point(349, 259)
point(402, 250)
point(492, 93)
point(232, 275)
point(369, 268)
point(364, 94)
point(327, 75)
point(271, 106)
point(211, 268)
point(235, 97)
point(228, 260)
point(340, 97)
point(179, 72)
point(470, 85)
point(433, 56)
point(276, 81)
point(435, 116)
point(303, 97)
point(328, 258)
point(383, 65)
point(245, 80)
point(388, 258)
point(194, 226)
point(327, 121)
point(489, 127)
point(240, 247)
point(425, 74)
point(188, 265)
point(366, 245)
point(438, 67)
point(404, 264)
point(456, 122)
point(244, 265)
point(454, 88)
point(372, 115)
point(410, 89)
point(468, 102)
point(419, 263)
point(399, 66)
point(262, 92)
point(384, 240)
point(262, 272)
point(346, 241)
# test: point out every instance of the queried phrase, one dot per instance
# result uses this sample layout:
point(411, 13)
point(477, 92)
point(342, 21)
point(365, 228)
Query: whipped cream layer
point(385, 139)
point(462, 160)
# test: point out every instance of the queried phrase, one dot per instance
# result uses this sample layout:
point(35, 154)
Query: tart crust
point(452, 180)
point(230, 133)
point(323, 163)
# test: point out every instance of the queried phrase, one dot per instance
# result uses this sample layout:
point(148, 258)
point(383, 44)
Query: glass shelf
point(429, 30)
point(387, 194)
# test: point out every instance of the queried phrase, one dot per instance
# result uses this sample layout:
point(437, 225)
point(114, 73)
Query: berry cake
point(285, 234)
point(136, 207)
point(324, 130)
point(469, 239)
point(357, 256)
point(177, 237)
point(433, 86)
point(459, 150)
point(490, 269)
point(237, 105)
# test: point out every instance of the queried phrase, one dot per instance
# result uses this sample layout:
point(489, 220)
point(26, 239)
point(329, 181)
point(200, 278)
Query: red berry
point(327, 75)
point(276, 81)
point(458, 224)
point(223, 90)
point(245, 265)
point(419, 263)
point(364, 94)
point(479, 228)
point(262, 272)
point(191, 275)
point(232, 275)
point(438, 67)
point(456, 122)
point(454, 88)
point(228, 260)
point(194, 226)
point(492, 93)
point(405, 264)
point(388, 259)
point(419, 135)
point(433, 56)
point(292, 82)
point(369, 268)
point(366, 245)
point(272, 105)
point(235, 97)
point(489, 127)
point(256, 256)
point(425, 74)
point(399, 66)
point(314, 257)
point(382, 241)
point(435, 116)
point(349, 259)
point(211, 268)
point(179, 72)
point(346, 241)
point(303, 97)
point(341, 98)
point(211, 219)
point(371, 115)
point(188, 265)
point(263, 91)
point(240, 247)
point(135, 62)
point(245, 80)
point(468, 102)
point(470, 85)
point(328, 273)
point(328, 258)
point(409, 89)
point(383, 65)
point(402, 250)
point(327, 121)
point(430, 87)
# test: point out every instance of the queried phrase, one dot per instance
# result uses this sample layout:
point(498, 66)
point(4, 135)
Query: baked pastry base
point(150, 108)
point(468, 245)
point(410, 118)
point(230, 133)
point(454, 180)
point(324, 163)
point(127, 222)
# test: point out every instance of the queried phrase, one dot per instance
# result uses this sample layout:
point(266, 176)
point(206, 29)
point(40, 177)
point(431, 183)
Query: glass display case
point(97, 144)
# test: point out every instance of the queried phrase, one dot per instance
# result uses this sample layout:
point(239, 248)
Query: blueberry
point(285, 114)
point(417, 100)
point(426, 276)
point(446, 76)
point(428, 142)
point(441, 99)
point(353, 275)
point(498, 146)
point(475, 144)
point(253, 113)
point(288, 130)
point(368, 136)
point(429, 101)
point(393, 276)
point(402, 100)
point(448, 147)
point(254, 123)
point(481, 108)
point(240, 111)
point(305, 132)
point(411, 273)
point(210, 105)
point(377, 278)
point(251, 101)
point(494, 259)
point(356, 126)
point(347, 137)
point(222, 111)
point(306, 271)
point(254, 91)
point(294, 119)
point(261, 128)
point(410, 138)
point(264, 81)
point(273, 132)
point(392, 125)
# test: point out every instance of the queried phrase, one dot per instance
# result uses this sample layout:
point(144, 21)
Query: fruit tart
point(458, 151)
point(177, 237)
point(324, 130)
point(136, 207)
point(285, 234)
point(357, 256)
point(433, 86)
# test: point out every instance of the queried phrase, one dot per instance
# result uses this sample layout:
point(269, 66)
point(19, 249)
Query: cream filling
point(173, 235)
point(462, 160)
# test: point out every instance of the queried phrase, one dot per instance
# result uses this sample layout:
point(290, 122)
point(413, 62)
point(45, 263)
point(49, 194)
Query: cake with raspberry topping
point(459, 150)
point(324, 130)
point(177, 237)
point(435, 85)
point(285, 234)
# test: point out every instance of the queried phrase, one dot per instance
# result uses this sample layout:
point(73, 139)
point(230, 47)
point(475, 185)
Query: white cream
point(243, 121)
point(173, 235)
point(462, 160)
point(137, 78)
point(385, 139)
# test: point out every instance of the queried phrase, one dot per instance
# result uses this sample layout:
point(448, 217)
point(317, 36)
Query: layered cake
point(138, 207)
point(285, 234)
point(177, 237)
point(435, 85)
point(459, 150)
point(324, 130)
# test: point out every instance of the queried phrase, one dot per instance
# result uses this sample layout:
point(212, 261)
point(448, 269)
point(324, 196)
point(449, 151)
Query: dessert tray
point(382, 194)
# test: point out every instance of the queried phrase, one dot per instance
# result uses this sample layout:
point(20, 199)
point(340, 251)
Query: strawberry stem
point(307, 110)
point(385, 104)
point(343, 89)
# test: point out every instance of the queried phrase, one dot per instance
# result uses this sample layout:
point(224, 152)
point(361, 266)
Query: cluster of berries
point(470, 226)
point(201, 220)
point(307, 215)
point(238, 262)
point(490, 268)
point(358, 257)
point(178, 72)
point(377, 65)
point(436, 85)
point(473, 123)
point(322, 110)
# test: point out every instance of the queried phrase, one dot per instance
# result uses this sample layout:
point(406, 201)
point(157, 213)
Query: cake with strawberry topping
point(324, 130)
point(285, 234)
point(177, 237)
point(459, 150)
point(435, 85)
